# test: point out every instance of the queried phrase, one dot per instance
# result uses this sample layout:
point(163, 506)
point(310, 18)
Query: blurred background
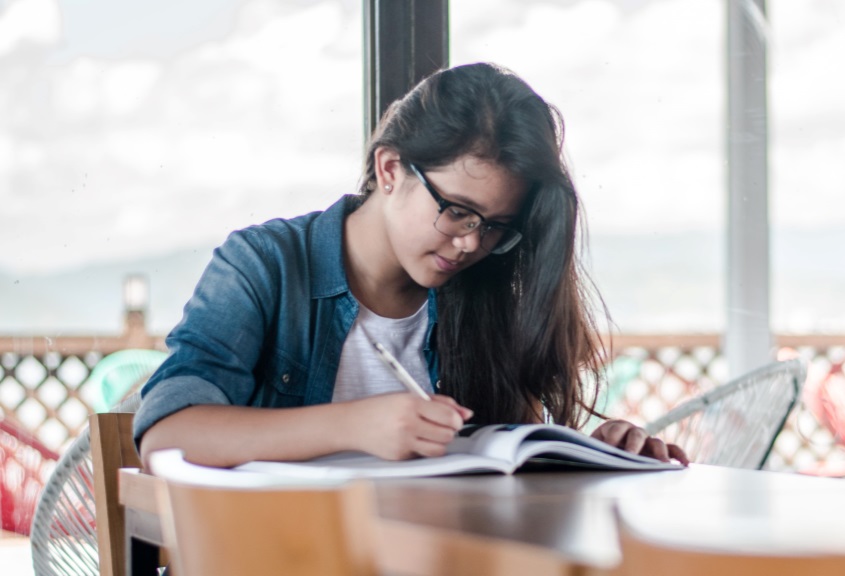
point(134, 136)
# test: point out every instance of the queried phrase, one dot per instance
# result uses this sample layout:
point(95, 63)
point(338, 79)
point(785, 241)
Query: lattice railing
point(660, 371)
point(45, 384)
point(46, 393)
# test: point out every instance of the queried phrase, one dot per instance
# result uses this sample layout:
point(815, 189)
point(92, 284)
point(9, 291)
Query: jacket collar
point(325, 248)
point(325, 255)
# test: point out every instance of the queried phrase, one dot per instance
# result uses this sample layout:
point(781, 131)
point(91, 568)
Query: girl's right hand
point(401, 425)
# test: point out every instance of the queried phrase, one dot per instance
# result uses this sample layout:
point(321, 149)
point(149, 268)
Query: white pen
point(398, 370)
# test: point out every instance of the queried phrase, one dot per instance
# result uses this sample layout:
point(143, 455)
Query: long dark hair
point(514, 330)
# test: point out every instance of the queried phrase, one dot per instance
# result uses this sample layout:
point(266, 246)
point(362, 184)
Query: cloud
point(643, 94)
point(28, 22)
point(232, 131)
point(127, 85)
point(640, 94)
point(264, 119)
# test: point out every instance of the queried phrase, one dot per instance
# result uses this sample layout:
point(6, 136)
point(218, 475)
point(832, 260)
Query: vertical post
point(404, 41)
point(136, 297)
point(748, 338)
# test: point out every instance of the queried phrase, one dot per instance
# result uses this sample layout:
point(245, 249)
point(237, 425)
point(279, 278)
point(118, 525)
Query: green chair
point(118, 374)
point(617, 375)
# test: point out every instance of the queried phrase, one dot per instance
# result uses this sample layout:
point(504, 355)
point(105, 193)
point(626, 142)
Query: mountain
point(676, 282)
point(659, 282)
point(90, 299)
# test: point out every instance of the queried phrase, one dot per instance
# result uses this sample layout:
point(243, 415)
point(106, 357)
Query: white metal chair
point(735, 424)
point(63, 537)
point(64, 532)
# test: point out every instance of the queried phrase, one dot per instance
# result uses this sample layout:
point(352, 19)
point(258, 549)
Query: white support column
point(748, 340)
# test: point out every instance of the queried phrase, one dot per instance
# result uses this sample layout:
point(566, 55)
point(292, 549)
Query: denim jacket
point(266, 323)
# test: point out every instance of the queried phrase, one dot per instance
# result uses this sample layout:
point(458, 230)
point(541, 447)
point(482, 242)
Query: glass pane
point(641, 88)
point(807, 186)
point(136, 135)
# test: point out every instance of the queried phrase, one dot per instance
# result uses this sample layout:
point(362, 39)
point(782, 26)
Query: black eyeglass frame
point(510, 235)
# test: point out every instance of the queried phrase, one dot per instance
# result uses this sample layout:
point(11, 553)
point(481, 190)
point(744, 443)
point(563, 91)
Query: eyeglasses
point(456, 220)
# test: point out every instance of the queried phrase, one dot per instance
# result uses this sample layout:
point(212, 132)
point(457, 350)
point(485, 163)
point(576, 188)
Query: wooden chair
point(226, 523)
point(735, 424)
point(643, 555)
point(77, 523)
point(112, 448)
point(66, 533)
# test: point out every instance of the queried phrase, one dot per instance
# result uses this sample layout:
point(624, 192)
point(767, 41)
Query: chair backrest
point(120, 374)
point(112, 447)
point(643, 555)
point(735, 424)
point(80, 495)
point(226, 528)
point(25, 465)
point(63, 535)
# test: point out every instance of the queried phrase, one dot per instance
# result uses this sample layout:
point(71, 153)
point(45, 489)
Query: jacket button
point(286, 378)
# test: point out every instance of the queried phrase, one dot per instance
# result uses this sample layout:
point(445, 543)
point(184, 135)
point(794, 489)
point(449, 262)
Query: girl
point(458, 255)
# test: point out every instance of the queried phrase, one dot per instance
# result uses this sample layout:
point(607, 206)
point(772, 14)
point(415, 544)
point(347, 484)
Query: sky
point(135, 129)
point(110, 150)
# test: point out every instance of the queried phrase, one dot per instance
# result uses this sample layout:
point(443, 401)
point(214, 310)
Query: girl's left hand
point(630, 438)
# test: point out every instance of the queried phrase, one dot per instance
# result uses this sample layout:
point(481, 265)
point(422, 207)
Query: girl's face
point(427, 255)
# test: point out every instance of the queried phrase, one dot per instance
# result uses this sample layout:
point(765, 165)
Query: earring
point(388, 187)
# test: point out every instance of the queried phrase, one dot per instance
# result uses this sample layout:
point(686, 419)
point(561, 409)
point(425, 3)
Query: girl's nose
point(469, 243)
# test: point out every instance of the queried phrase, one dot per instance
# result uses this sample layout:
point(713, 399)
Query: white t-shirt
point(362, 373)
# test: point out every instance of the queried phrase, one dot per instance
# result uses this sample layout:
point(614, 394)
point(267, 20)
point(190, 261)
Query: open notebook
point(486, 449)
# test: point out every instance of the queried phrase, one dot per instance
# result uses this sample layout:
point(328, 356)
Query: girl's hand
point(634, 439)
point(401, 426)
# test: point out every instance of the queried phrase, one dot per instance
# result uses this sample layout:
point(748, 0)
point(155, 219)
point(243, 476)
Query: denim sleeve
point(216, 346)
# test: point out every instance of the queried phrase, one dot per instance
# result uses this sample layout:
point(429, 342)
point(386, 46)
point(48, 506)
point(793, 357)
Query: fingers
point(400, 425)
point(428, 449)
point(440, 420)
point(462, 413)
point(613, 432)
point(428, 431)
point(678, 454)
point(634, 439)
point(655, 448)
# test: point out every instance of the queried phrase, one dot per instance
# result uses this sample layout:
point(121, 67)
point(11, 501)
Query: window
point(136, 135)
point(640, 86)
point(807, 144)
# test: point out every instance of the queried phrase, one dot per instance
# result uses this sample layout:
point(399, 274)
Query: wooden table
point(563, 523)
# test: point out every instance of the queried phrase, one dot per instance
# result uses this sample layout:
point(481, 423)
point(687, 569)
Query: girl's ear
point(388, 168)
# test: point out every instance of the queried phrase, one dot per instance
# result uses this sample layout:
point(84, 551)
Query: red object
point(824, 395)
point(832, 400)
point(25, 466)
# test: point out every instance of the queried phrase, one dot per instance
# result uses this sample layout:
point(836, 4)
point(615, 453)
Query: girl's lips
point(446, 265)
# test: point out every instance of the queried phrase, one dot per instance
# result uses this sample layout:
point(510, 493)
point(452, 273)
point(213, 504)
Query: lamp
point(136, 293)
